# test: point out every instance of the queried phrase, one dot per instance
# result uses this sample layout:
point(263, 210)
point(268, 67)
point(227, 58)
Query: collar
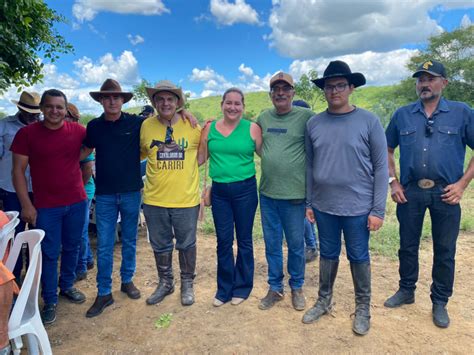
point(14, 118)
point(442, 106)
point(102, 117)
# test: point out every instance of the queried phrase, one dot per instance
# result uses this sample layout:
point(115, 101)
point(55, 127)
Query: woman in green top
point(230, 144)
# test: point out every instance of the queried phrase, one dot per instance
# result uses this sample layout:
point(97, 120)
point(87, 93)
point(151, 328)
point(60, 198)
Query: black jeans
point(445, 221)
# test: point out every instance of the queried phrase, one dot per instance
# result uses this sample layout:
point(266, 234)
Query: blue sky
point(206, 46)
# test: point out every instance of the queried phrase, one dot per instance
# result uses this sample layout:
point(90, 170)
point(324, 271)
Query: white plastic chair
point(7, 232)
point(25, 318)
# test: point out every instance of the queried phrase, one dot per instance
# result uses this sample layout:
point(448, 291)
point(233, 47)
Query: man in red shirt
point(51, 148)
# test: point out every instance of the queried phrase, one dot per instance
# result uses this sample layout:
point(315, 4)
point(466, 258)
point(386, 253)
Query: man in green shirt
point(282, 190)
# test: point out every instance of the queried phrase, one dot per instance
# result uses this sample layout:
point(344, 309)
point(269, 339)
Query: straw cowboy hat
point(165, 85)
point(29, 102)
point(337, 69)
point(111, 87)
point(73, 111)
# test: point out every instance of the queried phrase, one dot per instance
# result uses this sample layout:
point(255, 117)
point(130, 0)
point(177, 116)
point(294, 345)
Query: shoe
point(400, 298)
point(270, 299)
point(361, 277)
point(80, 276)
point(217, 302)
point(73, 295)
point(236, 301)
point(440, 316)
point(90, 265)
point(310, 255)
point(327, 276)
point(48, 314)
point(297, 299)
point(99, 305)
point(130, 289)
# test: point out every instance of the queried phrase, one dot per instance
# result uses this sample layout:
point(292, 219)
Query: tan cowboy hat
point(73, 111)
point(111, 87)
point(165, 85)
point(29, 102)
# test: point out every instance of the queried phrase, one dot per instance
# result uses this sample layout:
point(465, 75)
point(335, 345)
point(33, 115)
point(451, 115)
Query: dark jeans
point(445, 221)
point(63, 228)
point(85, 253)
point(356, 236)
point(310, 240)
point(233, 207)
point(11, 203)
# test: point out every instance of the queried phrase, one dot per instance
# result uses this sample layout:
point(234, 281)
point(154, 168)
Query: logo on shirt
point(170, 156)
point(277, 130)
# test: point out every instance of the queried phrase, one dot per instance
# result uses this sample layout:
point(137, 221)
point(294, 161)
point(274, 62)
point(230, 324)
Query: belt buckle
point(425, 183)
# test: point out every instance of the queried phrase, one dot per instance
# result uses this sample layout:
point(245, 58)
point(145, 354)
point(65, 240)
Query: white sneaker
point(217, 302)
point(237, 300)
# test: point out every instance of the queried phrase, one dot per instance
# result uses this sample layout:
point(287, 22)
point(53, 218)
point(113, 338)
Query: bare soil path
point(129, 325)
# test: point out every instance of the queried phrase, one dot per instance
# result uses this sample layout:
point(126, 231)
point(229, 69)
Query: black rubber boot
point(361, 278)
point(164, 264)
point(187, 264)
point(327, 275)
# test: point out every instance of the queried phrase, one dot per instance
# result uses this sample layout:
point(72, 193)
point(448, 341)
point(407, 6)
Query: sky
point(207, 46)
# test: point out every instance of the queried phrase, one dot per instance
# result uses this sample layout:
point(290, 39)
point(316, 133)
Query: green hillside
point(209, 107)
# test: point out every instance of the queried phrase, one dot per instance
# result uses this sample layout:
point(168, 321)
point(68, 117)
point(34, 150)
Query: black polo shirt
point(117, 146)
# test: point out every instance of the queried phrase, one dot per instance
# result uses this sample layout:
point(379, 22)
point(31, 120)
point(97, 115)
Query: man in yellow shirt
point(171, 194)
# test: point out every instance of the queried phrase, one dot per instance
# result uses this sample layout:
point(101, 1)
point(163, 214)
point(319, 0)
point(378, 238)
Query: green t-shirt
point(283, 154)
point(232, 157)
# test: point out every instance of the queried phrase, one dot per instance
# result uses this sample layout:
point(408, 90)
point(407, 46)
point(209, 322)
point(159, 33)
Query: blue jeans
point(85, 253)
point(107, 209)
point(356, 235)
point(233, 207)
point(445, 220)
point(12, 203)
point(310, 235)
point(63, 227)
point(280, 216)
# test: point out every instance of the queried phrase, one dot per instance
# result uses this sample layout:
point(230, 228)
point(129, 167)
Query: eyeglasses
point(169, 135)
point(429, 129)
point(339, 87)
point(286, 89)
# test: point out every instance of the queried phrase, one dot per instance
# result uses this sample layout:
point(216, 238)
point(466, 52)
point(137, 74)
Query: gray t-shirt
point(346, 164)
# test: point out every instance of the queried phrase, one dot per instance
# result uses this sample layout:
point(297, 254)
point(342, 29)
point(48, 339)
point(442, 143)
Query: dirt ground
point(128, 326)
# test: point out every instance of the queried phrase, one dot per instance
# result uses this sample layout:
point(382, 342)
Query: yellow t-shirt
point(172, 175)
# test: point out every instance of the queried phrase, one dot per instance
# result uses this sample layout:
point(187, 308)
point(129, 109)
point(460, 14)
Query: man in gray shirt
point(346, 189)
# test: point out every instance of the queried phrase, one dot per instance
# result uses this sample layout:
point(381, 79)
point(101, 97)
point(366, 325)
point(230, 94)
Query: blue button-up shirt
point(9, 126)
point(436, 156)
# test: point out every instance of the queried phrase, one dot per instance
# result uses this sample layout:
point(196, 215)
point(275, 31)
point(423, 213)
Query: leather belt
point(425, 183)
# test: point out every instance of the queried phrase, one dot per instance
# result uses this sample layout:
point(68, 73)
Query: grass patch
point(164, 321)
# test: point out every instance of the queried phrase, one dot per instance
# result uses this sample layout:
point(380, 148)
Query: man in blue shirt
point(432, 134)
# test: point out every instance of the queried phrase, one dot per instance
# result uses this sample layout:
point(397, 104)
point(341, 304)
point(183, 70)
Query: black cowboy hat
point(337, 69)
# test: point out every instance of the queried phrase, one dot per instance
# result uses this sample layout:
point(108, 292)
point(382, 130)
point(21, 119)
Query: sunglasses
point(169, 135)
point(429, 129)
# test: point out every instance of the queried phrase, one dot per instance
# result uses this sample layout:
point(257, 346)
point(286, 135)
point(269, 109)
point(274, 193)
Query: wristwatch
point(391, 179)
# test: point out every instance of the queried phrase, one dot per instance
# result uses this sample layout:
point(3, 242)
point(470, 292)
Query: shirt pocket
point(407, 136)
point(448, 135)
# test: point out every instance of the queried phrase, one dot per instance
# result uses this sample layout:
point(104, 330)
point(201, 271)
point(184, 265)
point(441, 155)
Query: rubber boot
point(164, 264)
point(187, 264)
point(361, 277)
point(327, 275)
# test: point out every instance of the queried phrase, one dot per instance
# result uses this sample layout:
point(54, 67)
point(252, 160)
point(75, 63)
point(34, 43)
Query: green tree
point(307, 91)
point(139, 91)
point(456, 51)
point(2, 115)
point(27, 31)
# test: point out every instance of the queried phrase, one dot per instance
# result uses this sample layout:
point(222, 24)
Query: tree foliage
point(27, 31)
point(307, 91)
point(456, 51)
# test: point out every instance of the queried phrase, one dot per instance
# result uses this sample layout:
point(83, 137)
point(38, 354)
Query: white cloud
point(306, 29)
point(124, 69)
point(228, 13)
point(466, 21)
point(86, 10)
point(378, 68)
point(134, 40)
point(245, 70)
